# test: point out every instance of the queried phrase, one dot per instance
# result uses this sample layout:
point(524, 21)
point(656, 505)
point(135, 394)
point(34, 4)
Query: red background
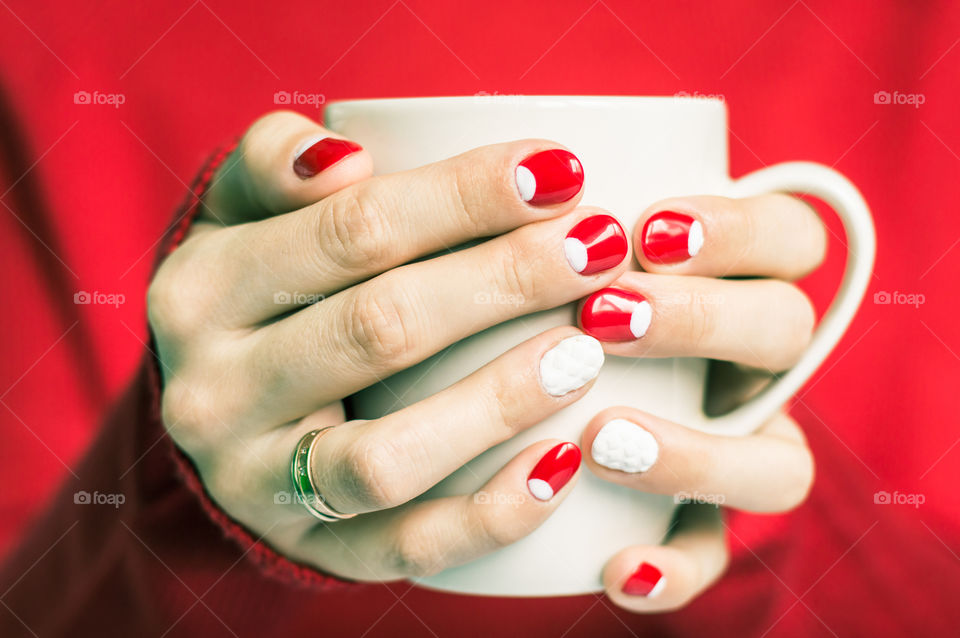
point(88, 190)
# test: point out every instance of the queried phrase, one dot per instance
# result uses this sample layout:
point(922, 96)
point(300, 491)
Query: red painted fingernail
point(595, 244)
point(670, 237)
point(612, 314)
point(322, 155)
point(647, 581)
point(553, 471)
point(549, 177)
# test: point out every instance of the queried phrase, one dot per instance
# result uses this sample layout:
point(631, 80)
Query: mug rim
point(483, 99)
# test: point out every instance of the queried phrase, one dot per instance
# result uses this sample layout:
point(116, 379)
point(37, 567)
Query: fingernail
point(549, 177)
point(553, 471)
point(595, 244)
point(570, 364)
point(623, 445)
point(320, 155)
point(612, 314)
point(647, 581)
point(670, 237)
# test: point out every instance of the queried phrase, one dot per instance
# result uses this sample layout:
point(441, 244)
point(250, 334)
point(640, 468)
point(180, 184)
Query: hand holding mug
point(298, 286)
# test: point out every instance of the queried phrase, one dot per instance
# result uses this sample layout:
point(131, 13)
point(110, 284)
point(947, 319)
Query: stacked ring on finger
point(303, 485)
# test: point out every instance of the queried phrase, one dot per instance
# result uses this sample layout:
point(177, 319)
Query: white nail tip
point(658, 588)
point(625, 446)
point(307, 143)
point(526, 183)
point(640, 319)
point(570, 364)
point(576, 253)
point(695, 238)
point(540, 489)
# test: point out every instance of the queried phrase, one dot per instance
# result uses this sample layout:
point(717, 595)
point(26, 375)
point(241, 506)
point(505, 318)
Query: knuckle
point(463, 182)
point(355, 223)
point(161, 302)
point(189, 414)
point(372, 473)
point(514, 274)
point(499, 528)
point(701, 325)
point(415, 552)
point(382, 325)
point(178, 298)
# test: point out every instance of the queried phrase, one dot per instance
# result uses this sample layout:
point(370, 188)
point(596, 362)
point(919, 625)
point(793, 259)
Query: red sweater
point(89, 186)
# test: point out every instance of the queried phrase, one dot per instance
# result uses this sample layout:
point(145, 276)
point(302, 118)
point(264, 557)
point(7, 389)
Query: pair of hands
point(248, 370)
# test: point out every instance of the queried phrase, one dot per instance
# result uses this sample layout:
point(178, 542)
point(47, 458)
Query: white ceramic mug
point(635, 151)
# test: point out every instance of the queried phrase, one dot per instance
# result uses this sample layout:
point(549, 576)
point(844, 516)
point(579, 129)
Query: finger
point(768, 471)
point(395, 320)
point(773, 235)
point(379, 464)
point(285, 161)
point(423, 538)
point(389, 220)
point(764, 323)
point(649, 579)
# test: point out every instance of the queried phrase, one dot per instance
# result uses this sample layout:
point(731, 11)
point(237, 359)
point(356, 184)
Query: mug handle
point(837, 191)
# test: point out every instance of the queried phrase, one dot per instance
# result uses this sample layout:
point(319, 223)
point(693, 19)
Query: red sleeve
point(255, 549)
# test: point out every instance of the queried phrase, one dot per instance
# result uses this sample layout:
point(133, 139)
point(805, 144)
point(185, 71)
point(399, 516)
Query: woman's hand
point(291, 293)
point(759, 326)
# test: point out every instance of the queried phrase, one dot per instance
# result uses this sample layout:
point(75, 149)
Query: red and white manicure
point(612, 314)
point(646, 581)
point(670, 237)
point(315, 155)
point(596, 244)
point(553, 471)
point(549, 177)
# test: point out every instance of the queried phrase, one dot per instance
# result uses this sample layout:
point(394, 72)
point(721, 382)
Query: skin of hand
point(305, 279)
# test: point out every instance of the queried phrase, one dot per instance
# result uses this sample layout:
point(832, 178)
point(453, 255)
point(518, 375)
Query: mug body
point(635, 151)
